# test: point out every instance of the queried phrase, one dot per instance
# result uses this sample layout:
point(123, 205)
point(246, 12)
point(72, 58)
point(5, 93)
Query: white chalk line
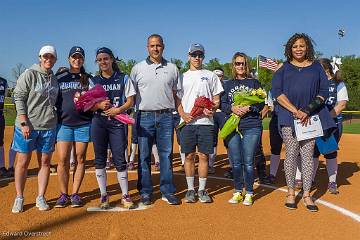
point(332, 206)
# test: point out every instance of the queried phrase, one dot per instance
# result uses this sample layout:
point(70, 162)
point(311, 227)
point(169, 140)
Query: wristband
point(313, 106)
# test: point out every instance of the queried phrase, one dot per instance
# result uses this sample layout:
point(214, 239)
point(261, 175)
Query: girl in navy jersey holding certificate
point(106, 130)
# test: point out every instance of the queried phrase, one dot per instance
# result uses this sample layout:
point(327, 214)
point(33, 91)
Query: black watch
point(23, 124)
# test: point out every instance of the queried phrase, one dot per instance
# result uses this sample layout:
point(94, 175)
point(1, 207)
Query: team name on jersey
point(112, 87)
point(237, 88)
point(70, 85)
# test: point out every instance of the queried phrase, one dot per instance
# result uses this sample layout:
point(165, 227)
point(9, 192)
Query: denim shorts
point(40, 140)
point(73, 134)
point(200, 136)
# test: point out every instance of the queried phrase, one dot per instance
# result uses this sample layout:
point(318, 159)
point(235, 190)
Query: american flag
point(267, 63)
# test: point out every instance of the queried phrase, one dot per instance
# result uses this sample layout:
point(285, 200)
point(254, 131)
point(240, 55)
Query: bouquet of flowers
point(84, 101)
point(243, 97)
point(197, 110)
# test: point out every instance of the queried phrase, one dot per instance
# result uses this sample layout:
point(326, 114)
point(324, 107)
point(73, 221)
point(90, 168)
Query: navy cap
point(75, 50)
point(104, 50)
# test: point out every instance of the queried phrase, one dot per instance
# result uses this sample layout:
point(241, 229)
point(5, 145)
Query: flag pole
point(257, 65)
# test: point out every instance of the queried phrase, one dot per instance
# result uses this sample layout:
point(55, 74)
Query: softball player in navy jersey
point(73, 127)
point(106, 130)
point(3, 90)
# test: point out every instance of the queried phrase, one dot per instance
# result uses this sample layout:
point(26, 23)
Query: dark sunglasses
point(239, 63)
point(195, 55)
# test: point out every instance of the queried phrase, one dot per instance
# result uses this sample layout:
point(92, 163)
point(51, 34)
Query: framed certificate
point(312, 130)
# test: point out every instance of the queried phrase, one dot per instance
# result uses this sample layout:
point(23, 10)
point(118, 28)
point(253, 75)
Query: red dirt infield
point(266, 219)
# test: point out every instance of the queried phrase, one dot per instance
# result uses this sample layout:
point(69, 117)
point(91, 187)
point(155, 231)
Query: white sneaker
point(18, 205)
point(42, 204)
point(248, 201)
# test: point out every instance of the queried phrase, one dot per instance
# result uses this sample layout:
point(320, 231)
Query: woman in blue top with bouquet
point(300, 87)
point(243, 143)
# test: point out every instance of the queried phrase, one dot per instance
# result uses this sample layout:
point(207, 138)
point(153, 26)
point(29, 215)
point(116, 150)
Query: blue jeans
point(155, 127)
point(241, 152)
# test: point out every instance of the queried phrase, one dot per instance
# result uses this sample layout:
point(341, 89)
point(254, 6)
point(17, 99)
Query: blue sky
point(223, 27)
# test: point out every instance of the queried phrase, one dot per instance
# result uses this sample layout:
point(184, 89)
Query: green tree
point(185, 67)
point(177, 62)
point(350, 73)
point(213, 64)
point(227, 71)
point(126, 66)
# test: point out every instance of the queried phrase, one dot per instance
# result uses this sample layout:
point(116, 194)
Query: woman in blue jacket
point(300, 87)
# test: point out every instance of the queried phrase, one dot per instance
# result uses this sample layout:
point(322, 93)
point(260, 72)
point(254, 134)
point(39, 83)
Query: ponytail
point(84, 78)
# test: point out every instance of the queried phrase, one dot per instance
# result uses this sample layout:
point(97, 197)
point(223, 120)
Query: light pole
point(341, 34)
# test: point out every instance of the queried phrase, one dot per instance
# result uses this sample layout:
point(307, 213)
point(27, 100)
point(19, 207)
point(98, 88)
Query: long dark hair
point(84, 78)
point(326, 64)
point(310, 52)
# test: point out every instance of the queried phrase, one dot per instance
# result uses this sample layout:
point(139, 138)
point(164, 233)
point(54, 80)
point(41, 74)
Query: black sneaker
point(190, 196)
point(264, 180)
point(211, 170)
point(11, 172)
point(170, 199)
point(145, 200)
point(3, 172)
point(272, 179)
point(229, 174)
point(332, 187)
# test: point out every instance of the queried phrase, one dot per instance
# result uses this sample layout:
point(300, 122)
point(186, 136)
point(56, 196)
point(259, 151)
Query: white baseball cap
point(48, 49)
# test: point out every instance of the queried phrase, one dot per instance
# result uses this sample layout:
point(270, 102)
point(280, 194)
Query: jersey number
point(116, 101)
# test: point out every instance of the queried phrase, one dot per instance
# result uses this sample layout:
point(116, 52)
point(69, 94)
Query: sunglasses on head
point(195, 55)
point(239, 63)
